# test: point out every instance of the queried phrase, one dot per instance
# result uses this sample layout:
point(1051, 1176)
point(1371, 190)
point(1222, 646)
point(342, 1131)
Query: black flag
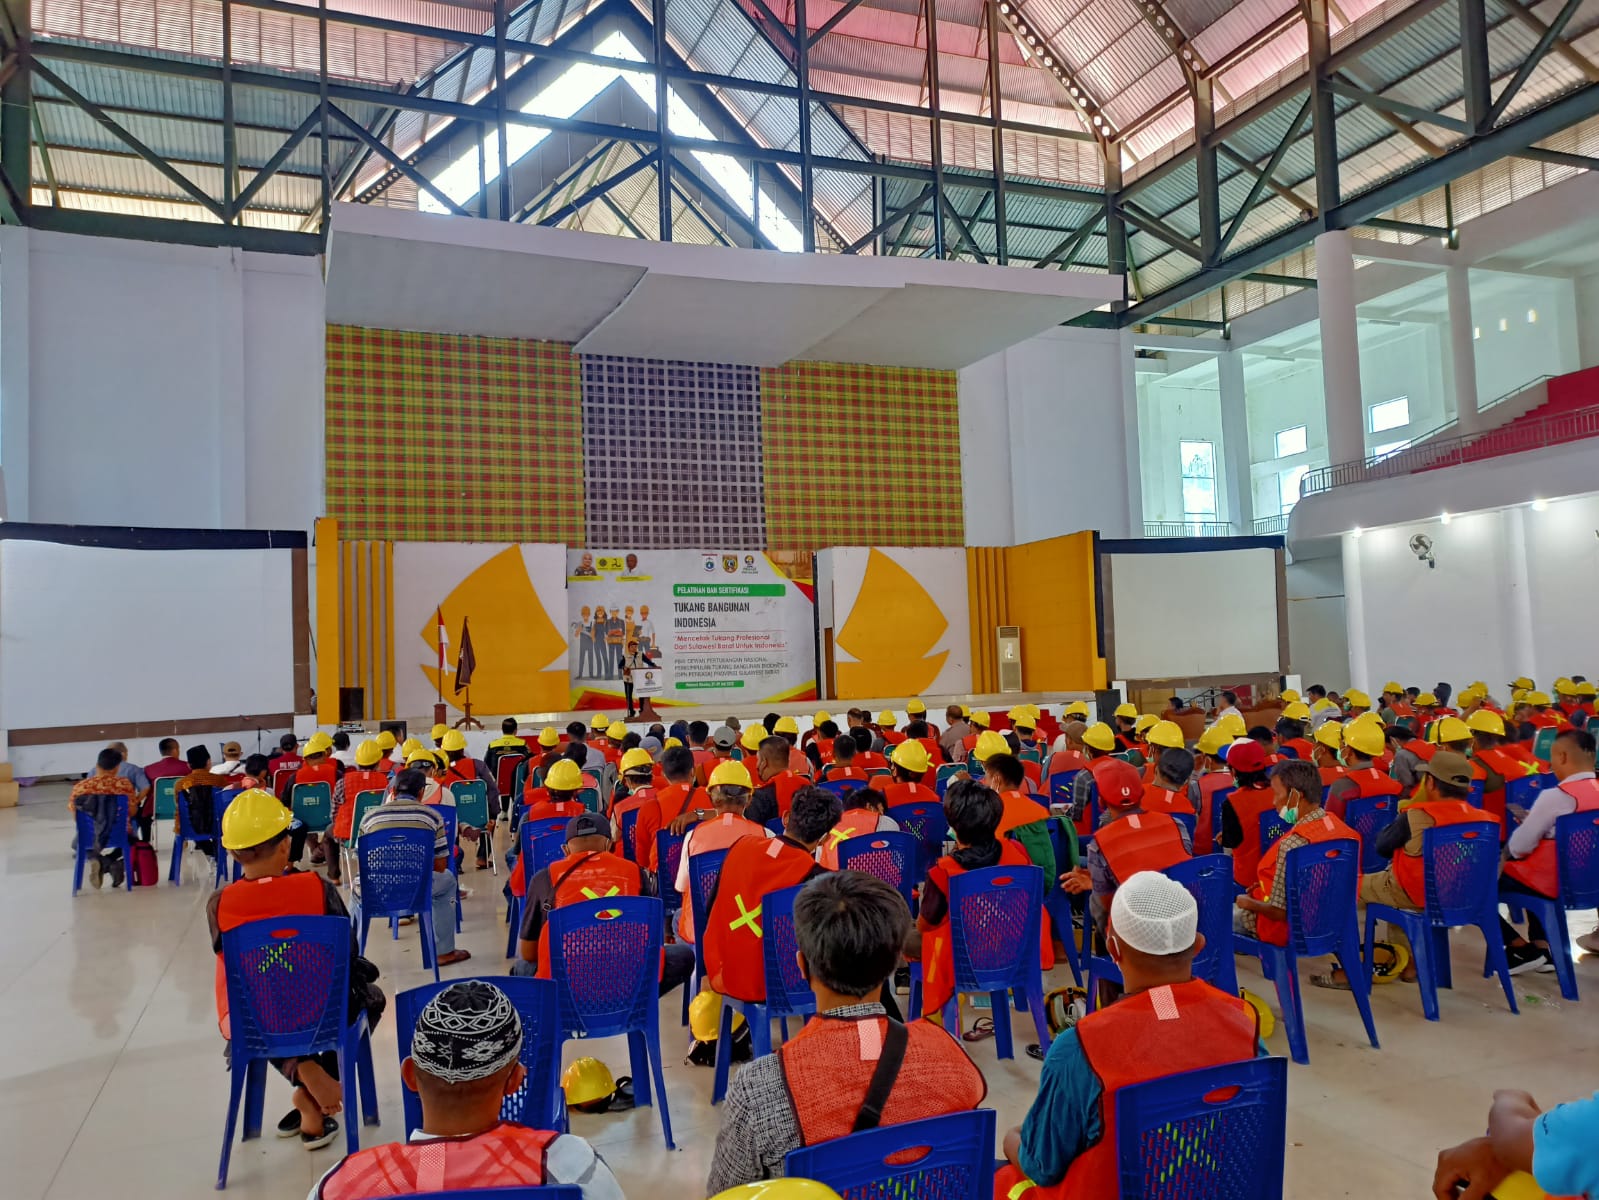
point(466, 661)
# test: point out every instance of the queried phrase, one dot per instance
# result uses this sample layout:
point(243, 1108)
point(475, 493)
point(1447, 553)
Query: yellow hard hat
point(786, 725)
point(368, 754)
point(753, 737)
point(1357, 698)
point(1289, 696)
point(1297, 711)
point(254, 817)
point(1563, 686)
point(1522, 682)
point(1145, 721)
point(1394, 688)
point(386, 740)
point(1075, 709)
point(1519, 696)
point(798, 1189)
point(671, 743)
point(989, 744)
point(1486, 721)
point(966, 710)
point(599, 721)
point(1232, 725)
point(1537, 699)
point(318, 743)
point(886, 718)
point(1212, 740)
point(821, 718)
point(549, 738)
point(1323, 705)
point(1518, 1185)
point(1365, 737)
point(705, 1017)
point(422, 758)
point(564, 776)
point(1427, 700)
point(439, 731)
point(1586, 689)
point(1331, 735)
point(916, 708)
point(981, 719)
point(1166, 733)
point(1100, 737)
point(616, 730)
point(588, 1082)
point(1021, 715)
point(411, 747)
point(637, 759)
point(1126, 709)
point(454, 740)
point(731, 774)
point(913, 756)
point(1449, 729)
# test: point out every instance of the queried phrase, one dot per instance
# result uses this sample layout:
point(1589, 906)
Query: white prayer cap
point(1154, 914)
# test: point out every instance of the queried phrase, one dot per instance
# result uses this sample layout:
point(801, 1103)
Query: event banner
point(708, 626)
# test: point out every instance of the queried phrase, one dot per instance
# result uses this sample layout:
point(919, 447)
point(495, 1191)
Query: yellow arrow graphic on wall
point(514, 637)
point(890, 631)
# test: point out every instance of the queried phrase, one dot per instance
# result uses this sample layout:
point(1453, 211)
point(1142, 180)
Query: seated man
point(1166, 1023)
point(852, 1068)
point(1240, 812)
point(909, 766)
point(588, 872)
point(1128, 840)
point(464, 1061)
point(1554, 1147)
point(716, 829)
point(1362, 777)
point(255, 830)
point(864, 813)
point(734, 959)
point(95, 795)
point(681, 792)
point(842, 765)
point(405, 810)
point(778, 780)
point(199, 786)
point(635, 786)
point(1166, 778)
point(1024, 818)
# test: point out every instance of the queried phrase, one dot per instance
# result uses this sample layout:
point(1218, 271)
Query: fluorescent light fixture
point(1504, 324)
point(1540, 505)
point(1532, 316)
point(1356, 532)
point(1445, 518)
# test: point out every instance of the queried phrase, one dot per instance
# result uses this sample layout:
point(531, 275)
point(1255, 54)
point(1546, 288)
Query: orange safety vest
point(1410, 869)
point(356, 782)
point(891, 737)
point(637, 798)
point(784, 786)
point(1422, 750)
point(832, 773)
point(1327, 828)
point(1147, 841)
point(505, 1156)
point(1159, 799)
point(1331, 775)
point(828, 1066)
point(1149, 1035)
point(1540, 870)
point(896, 793)
point(326, 771)
point(938, 948)
point(1067, 760)
point(1248, 804)
point(1508, 762)
point(870, 760)
point(289, 764)
point(719, 833)
point(297, 894)
point(1210, 783)
point(462, 770)
point(857, 822)
point(1300, 746)
point(1019, 810)
point(734, 955)
point(550, 807)
point(1373, 781)
point(591, 876)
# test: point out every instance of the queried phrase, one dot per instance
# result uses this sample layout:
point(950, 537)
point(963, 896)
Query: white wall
point(1587, 319)
point(1508, 358)
point(1064, 414)
point(1181, 405)
point(1318, 634)
point(154, 385)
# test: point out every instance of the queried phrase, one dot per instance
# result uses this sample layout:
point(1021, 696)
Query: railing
point(1277, 524)
point(1164, 529)
point(1450, 452)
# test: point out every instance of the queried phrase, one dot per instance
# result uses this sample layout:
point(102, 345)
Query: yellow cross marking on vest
point(750, 917)
point(840, 836)
point(591, 894)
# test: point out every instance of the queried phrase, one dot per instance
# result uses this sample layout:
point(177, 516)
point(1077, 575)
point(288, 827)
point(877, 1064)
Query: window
point(1388, 448)
point(1390, 414)
point(1290, 441)
point(1288, 487)
point(1199, 480)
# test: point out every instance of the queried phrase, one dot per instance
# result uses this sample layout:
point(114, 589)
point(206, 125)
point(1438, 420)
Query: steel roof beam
point(1049, 59)
point(1403, 108)
point(1264, 175)
point(1344, 55)
point(1550, 35)
point(1566, 50)
point(1559, 158)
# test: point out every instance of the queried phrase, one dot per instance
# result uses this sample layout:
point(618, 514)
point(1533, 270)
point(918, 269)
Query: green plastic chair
point(312, 805)
point(1543, 743)
point(472, 808)
point(590, 798)
point(166, 798)
point(364, 803)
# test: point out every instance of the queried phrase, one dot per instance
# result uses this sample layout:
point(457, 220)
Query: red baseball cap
point(1246, 756)
point(1120, 784)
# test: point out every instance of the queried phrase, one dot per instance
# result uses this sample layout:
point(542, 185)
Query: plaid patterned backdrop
point(862, 456)
point(442, 437)
point(526, 441)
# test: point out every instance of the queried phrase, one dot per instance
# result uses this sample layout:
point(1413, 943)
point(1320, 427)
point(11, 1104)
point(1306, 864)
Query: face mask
point(1290, 814)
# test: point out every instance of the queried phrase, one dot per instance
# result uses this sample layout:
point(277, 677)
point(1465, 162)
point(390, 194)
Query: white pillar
point(1340, 347)
point(1355, 615)
point(1521, 646)
point(1235, 441)
point(1131, 446)
point(15, 387)
point(1462, 349)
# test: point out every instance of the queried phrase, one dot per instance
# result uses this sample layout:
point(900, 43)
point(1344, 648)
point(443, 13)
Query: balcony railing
point(1277, 524)
point(1173, 529)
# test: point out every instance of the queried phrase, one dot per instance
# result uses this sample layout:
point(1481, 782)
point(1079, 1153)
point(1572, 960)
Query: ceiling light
point(1445, 518)
point(1476, 332)
point(1504, 324)
point(1540, 505)
point(1356, 532)
point(1532, 316)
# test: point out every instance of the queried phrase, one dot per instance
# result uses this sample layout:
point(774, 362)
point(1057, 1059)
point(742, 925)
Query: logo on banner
point(710, 563)
point(749, 565)
point(730, 563)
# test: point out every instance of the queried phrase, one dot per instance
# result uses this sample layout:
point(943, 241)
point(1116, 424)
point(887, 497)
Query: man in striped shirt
point(405, 810)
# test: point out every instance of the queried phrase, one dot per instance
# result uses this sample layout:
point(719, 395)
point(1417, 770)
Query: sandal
point(1330, 983)
point(982, 1029)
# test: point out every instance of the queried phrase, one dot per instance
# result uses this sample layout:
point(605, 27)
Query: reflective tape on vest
point(747, 916)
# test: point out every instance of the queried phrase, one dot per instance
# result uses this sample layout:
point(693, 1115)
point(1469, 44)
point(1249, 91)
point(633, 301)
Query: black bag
point(703, 1054)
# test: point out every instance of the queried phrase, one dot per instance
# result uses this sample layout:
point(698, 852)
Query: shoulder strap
point(895, 1039)
point(555, 884)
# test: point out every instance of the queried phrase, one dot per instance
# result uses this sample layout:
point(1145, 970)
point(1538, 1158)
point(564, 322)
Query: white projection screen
point(145, 625)
point(1196, 613)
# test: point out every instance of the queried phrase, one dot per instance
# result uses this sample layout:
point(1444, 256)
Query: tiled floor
point(112, 1082)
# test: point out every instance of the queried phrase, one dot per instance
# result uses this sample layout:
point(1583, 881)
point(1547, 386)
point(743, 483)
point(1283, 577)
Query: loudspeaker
point(352, 705)
point(397, 728)
point(1105, 703)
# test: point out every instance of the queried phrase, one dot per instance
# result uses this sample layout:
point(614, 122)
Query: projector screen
point(1204, 612)
point(112, 634)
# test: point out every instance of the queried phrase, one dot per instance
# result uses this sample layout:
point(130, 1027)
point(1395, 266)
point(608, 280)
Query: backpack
point(143, 864)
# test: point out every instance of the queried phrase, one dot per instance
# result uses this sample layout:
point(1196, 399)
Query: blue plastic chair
point(892, 857)
point(186, 836)
point(472, 809)
point(1461, 866)
point(1323, 880)
point(1201, 1135)
point(1190, 822)
point(945, 775)
point(288, 981)
point(312, 805)
point(539, 1102)
point(1521, 793)
point(1059, 786)
point(668, 854)
point(605, 958)
point(394, 870)
point(629, 825)
point(589, 798)
point(925, 822)
point(1478, 793)
point(841, 787)
point(949, 1157)
point(776, 826)
point(540, 843)
point(1369, 816)
point(704, 870)
point(117, 840)
point(1209, 879)
point(994, 919)
point(1218, 800)
point(1577, 851)
point(1272, 827)
point(364, 803)
point(1543, 742)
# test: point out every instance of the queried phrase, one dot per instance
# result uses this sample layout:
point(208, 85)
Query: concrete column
point(1235, 441)
point(1355, 614)
point(1462, 349)
point(1340, 347)
point(15, 388)
point(1131, 446)
point(1520, 645)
